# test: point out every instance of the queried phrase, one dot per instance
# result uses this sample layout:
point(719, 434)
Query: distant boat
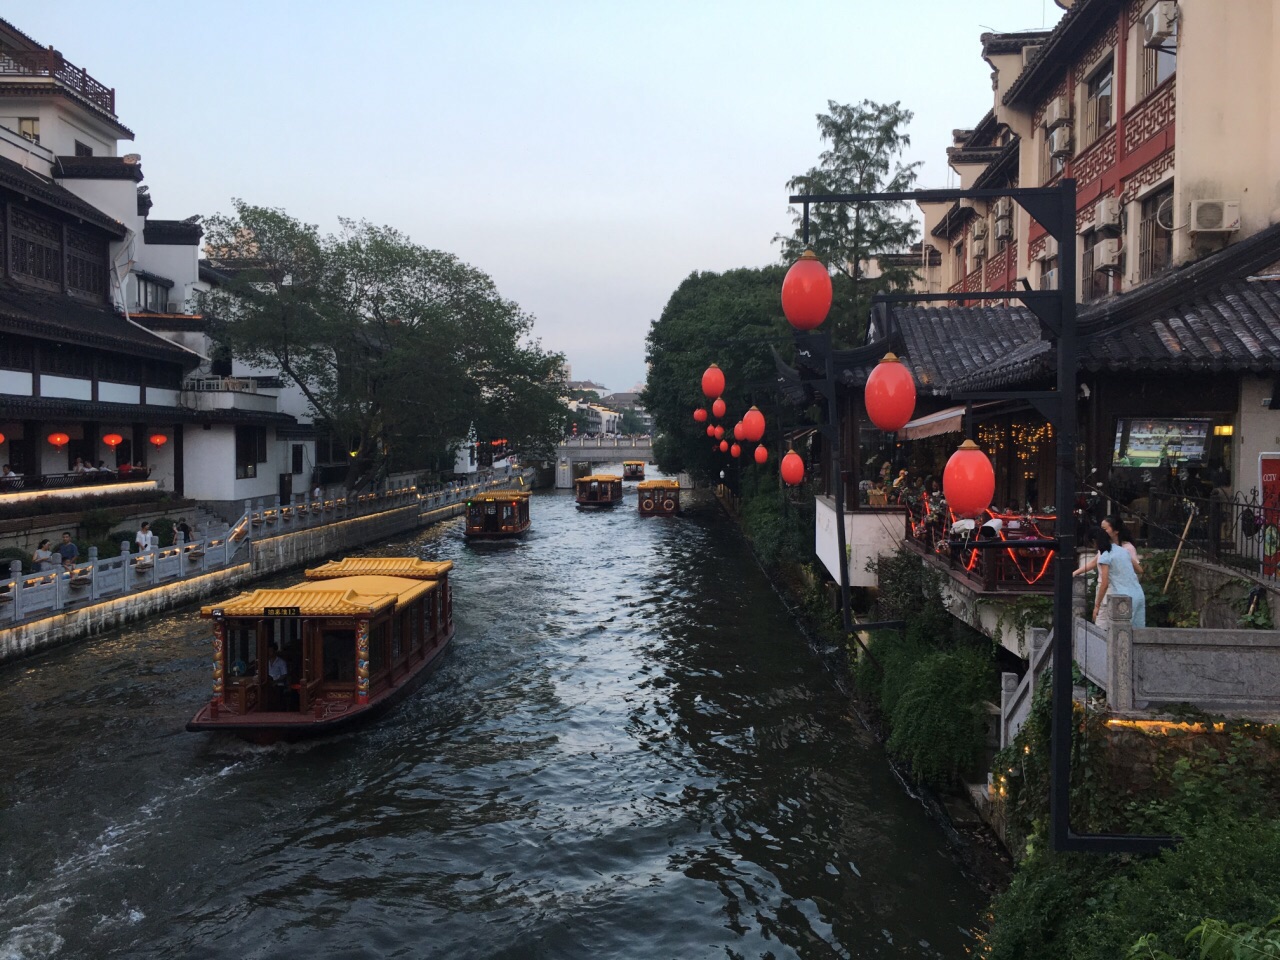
point(632, 469)
point(355, 637)
point(498, 515)
point(658, 498)
point(598, 490)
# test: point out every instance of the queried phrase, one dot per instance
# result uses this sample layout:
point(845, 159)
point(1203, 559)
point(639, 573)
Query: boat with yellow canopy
point(498, 515)
point(598, 490)
point(632, 469)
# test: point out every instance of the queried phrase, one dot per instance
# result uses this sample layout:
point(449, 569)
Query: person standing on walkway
point(42, 559)
point(1117, 576)
point(143, 537)
point(68, 551)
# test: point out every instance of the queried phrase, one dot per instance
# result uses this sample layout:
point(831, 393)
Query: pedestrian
point(315, 494)
point(1118, 534)
point(68, 551)
point(1116, 576)
point(182, 528)
point(42, 559)
point(143, 537)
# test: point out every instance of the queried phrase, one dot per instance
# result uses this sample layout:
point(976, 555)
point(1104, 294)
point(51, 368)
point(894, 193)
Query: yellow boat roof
point(601, 477)
point(344, 597)
point(666, 484)
point(628, 463)
point(502, 495)
point(409, 567)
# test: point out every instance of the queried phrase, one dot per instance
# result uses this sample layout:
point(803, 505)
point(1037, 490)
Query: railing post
point(93, 573)
point(1008, 687)
point(1119, 611)
point(15, 571)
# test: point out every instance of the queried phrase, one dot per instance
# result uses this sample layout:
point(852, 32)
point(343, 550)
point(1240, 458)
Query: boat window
point(397, 636)
point(339, 655)
point(242, 647)
point(378, 647)
point(285, 634)
point(415, 623)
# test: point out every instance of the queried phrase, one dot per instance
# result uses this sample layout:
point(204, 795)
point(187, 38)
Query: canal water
point(629, 752)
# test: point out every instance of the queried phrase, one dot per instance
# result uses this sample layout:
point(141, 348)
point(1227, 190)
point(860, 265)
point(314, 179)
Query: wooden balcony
point(50, 63)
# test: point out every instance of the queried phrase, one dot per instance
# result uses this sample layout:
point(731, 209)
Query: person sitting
point(79, 466)
point(124, 470)
point(278, 676)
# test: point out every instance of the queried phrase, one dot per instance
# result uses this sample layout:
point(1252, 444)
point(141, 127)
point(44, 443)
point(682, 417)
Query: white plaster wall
point(1257, 431)
point(173, 262)
point(15, 147)
point(209, 462)
point(118, 199)
point(868, 535)
point(118, 393)
point(160, 459)
point(71, 388)
point(15, 382)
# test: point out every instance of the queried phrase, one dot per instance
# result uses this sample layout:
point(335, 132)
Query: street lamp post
point(1054, 208)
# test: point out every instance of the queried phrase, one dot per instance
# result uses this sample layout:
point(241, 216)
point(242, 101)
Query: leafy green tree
point(397, 348)
point(726, 318)
point(865, 145)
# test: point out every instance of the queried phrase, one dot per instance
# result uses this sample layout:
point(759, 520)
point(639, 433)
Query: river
point(629, 752)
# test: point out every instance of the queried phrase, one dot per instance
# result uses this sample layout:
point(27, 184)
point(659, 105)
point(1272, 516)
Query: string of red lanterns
point(718, 408)
point(750, 428)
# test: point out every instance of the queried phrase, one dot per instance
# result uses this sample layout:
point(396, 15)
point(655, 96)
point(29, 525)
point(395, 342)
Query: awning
point(950, 420)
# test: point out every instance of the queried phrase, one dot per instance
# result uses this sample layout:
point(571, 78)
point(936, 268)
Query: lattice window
point(1097, 103)
point(36, 250)
point(1158, 63)
point(1155, 236)
point(86, 264)
point(1050, 166)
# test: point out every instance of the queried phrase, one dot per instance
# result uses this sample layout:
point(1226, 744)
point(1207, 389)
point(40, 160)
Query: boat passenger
point(278, 671)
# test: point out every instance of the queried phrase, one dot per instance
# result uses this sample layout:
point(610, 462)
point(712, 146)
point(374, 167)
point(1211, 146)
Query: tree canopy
point(398, 349)
point(865, 144)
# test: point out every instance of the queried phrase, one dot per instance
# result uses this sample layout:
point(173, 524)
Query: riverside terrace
point(39, 482)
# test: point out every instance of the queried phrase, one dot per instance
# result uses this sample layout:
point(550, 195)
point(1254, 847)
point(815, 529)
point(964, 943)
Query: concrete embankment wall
point(267, 557)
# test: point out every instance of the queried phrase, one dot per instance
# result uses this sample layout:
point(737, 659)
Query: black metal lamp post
point(1054, 208)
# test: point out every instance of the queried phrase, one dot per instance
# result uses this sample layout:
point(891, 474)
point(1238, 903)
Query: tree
point(397, 348)
point(865, 145)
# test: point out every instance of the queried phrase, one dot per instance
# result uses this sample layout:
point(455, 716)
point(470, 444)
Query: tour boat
point(659, 498)
point(498, 515)
point(598, 490)
point(355, 637)
point(632, 469)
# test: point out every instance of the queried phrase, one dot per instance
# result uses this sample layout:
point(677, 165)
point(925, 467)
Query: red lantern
point(713, 382)
point(753, 425)
point(59, 439)
point(718, 408)
point(737, 431)
point(711, 430)
point(158, 439)
point(700, 415)
point(1, 438)
point(762, 454)
point(890, 394)
point(792, 469)
point(719, 433)
point(113, 440)
point(806, 292)
point(969, 481)
point(735, 450)
point(724, 446)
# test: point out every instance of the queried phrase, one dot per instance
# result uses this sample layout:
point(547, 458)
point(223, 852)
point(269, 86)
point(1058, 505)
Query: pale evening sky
point(586, 155)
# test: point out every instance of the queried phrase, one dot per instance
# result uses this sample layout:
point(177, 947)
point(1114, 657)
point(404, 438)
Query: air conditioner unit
point(1029, 53)
point(1060, 142)
point(1158, 24)
point(1215, 216)
point(1049, 279)
point(1004, 208)
point(1107, 212)
point(1057, 113)
point(980, 229)
point(1004, 229)
point(1106, 254)
point(173, 307)
point(979, 248)
point(1050, 248)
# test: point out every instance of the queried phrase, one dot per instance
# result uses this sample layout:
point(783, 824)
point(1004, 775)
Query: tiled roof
point(97, 168)
point(412, 568)
point(994, 44)
point(35, 408)
point(181, 233)
point(945, 344)
point(16, 177)
point(1072, 33)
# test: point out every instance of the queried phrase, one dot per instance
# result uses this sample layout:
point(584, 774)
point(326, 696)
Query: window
point(29, 127)
point(118, 368)
point(83, 149)
point(1097, 105)
point(15, 355)
point(153, 296)
point(86, 264)
point(36, 250)
point(960, 271)
point(298, 452)
point(251, 450)
point(1049, 274)
point(1096, 279)
point(63, 360)
point(1050, 166)
point(1155, 233)
point(1158, 63)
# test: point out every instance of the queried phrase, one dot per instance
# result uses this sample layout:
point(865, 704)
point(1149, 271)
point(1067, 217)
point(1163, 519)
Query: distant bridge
point(605, 450)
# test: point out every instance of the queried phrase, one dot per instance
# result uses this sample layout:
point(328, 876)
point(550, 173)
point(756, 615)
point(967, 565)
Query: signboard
point(1269, 484)
point(1150, 442)
point(282, 611)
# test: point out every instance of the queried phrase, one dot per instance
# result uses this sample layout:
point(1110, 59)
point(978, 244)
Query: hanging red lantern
point(890, 394)
point(718, 408)
point(719, 433)
point(806, 292)
point(158, 439)
point(792, 469)
point(969, 481)
point(59, 439)
point(711, 430)
point(737, 431)
point(724, 446)
point(735, 450)
point(713, 382)
point(113, 440)
point(700, 415)
point(753, 425)
point(762, 454)
point(1, 438)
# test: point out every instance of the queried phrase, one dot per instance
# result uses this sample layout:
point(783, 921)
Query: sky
point(588, 156)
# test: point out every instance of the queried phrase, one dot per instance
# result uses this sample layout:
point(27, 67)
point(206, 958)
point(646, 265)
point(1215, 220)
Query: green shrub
point(9, 554)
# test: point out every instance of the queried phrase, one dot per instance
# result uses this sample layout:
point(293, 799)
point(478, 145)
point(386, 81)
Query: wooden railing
point(50, 63)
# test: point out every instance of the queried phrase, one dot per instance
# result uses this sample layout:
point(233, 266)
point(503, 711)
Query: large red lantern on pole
point(735, 450)
point(762, 454)
point(969, 481)
point(718, 408)
point(700, 414)
point(792, 469)
point(890, 394)
point(806, 292)
point(713, 382)
point(753, 425)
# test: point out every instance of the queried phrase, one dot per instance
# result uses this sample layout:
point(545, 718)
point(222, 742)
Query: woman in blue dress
point(1116, 575)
